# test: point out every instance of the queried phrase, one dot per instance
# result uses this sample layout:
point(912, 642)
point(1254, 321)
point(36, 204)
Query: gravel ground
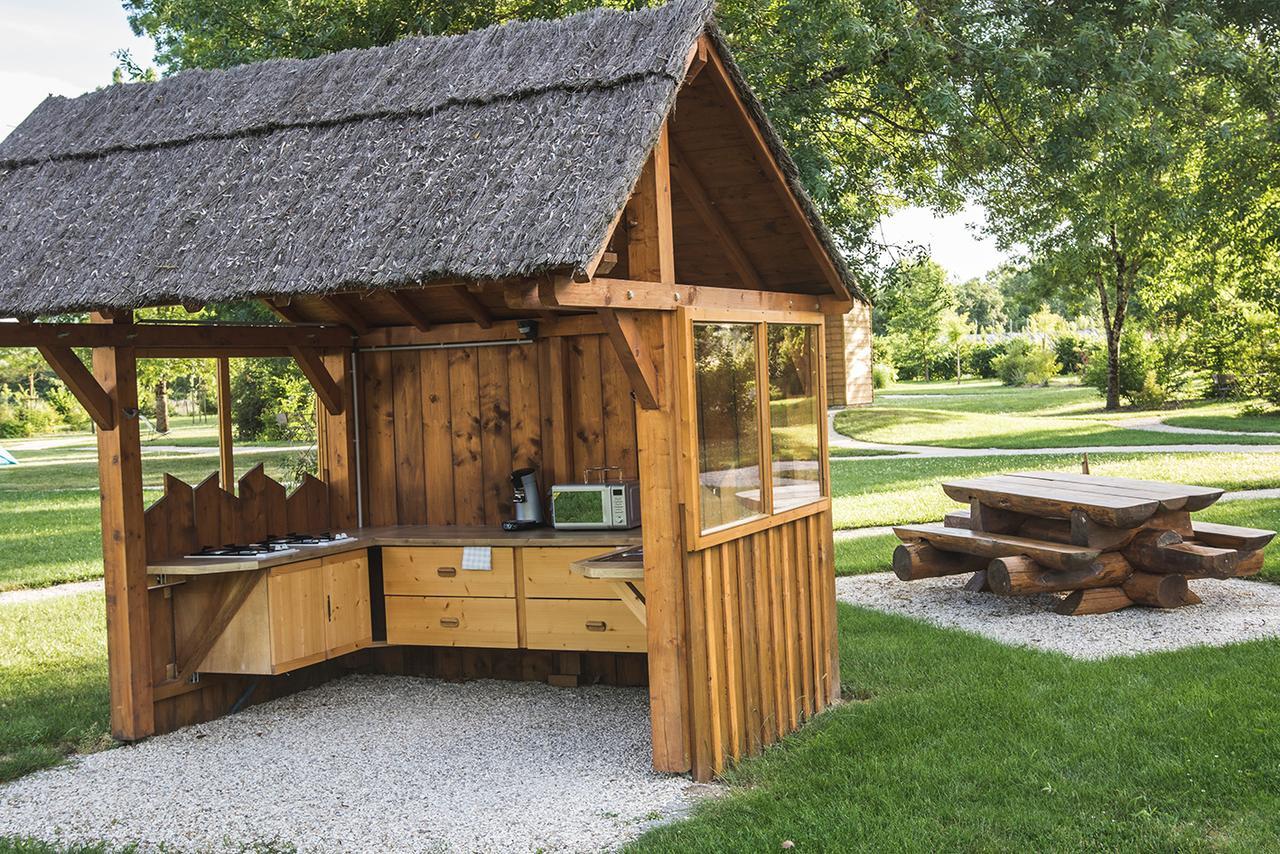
point(1233, 611)
point(373, 763)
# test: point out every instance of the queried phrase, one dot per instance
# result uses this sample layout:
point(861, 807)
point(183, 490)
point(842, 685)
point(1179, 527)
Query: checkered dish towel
point(477, 557)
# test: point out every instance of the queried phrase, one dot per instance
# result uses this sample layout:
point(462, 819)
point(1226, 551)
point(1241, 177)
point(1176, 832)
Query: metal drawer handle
point(596, 625)
point(449, 622)
point(447, 571)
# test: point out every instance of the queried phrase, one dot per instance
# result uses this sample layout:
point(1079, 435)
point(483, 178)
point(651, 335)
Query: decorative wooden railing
point(187, 518)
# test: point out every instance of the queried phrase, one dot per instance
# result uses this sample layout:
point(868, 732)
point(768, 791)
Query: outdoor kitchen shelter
point(575, 246)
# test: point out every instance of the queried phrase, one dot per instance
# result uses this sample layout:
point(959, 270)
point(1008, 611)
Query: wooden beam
point(411, 310)
point(124, 559)
point(470, 333)
point(344, 306)
point(78, 378)
point(636, 359)
point(189, 336)
point(697, 59)
point(563, 292)
point(284, 309)
point(337, 446)
point(764, 156)
point(318, 375)
point(226, 447)
point(473, 306)
point(687, 180)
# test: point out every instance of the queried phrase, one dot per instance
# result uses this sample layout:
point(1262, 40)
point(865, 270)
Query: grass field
point(947, 741)
point(49, 528)
point(984, 414)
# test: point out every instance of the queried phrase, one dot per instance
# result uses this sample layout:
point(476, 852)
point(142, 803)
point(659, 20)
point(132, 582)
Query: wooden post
point(124, 561)
point(651, 256)
point(226, 458)
point(337, 456)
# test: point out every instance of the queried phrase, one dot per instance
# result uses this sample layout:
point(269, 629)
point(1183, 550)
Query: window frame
point(697, 537)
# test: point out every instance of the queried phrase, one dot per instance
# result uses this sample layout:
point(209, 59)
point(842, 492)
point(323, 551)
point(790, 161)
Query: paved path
point(1156, 425)
point(839, 440)
point(14, 597)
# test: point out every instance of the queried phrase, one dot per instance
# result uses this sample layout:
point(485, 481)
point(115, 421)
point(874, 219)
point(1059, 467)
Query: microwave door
point(580, 508)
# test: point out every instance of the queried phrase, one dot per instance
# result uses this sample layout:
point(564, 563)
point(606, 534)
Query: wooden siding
point(443, 429)
point(761, 629)
point(849, 356)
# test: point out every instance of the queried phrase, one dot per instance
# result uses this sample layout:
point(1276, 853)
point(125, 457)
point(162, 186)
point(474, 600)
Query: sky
point(64, 47)
point(59, 47)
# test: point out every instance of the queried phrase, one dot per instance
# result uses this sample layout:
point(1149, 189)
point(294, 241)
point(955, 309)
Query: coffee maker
point(527, 501)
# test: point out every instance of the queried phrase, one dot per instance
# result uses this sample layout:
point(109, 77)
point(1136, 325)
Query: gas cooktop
point(271, 546)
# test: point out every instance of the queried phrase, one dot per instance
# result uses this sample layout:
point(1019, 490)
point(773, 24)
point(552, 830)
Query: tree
point(982, 302)
point(1103, 136)
point(910, 306)
point(955, 327)
point(22, 364)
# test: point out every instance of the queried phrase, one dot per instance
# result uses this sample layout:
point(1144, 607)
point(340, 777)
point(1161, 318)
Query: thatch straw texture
point(503, 152)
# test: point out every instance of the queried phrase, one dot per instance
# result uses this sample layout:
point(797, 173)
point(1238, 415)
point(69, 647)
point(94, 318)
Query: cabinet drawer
point(440, 621)
point(594, 625)
point(547, 574)
point(439, 572)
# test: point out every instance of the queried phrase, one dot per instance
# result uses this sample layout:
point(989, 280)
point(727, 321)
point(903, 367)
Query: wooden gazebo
point(598, 256)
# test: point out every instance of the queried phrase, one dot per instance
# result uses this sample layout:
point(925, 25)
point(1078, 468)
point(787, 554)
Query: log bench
point(1107, 543)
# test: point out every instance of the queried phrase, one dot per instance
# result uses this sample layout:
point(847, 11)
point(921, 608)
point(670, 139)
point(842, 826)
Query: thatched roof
point(499, 153)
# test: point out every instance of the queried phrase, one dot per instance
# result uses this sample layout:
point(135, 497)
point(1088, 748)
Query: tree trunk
point(1113, 369)
point(162, 406)
point(957, 364)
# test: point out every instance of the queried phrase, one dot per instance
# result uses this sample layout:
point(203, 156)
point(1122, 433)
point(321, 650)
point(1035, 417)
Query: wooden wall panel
point(761, 619)
point(443, 429)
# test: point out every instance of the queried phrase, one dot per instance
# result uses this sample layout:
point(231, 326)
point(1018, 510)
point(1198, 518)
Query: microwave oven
point(613, 504)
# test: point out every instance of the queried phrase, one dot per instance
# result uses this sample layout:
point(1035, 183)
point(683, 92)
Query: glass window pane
point(794, 416)
point(728, 425)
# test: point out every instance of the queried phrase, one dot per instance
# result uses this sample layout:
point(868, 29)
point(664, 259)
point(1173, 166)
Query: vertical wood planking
point(526, 415)
point(751, 642)
point(728, 601)
point(778, 625)
point(553, 378)
point(817, 589)
point(713, 639)
point(410, 485)
point(464, 395)
point(588, 410)
point(495, 434)
point(832, 629)
point(338, 448)
point(438, 436)
point(619, 412)
point(380, 440)
point(699, 709)
point(800, 571)
point(767, 640)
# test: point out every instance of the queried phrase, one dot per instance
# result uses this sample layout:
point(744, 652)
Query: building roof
point(500, 153)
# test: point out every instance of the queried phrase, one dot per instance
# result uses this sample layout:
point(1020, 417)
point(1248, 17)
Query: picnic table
point(1107, 542)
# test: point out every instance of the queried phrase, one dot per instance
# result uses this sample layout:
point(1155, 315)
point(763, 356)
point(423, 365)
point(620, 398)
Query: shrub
point(983, 356)
point(1071, 350)
point(67, 407)
point(21, 416)
point(272, 402)
point(883, 375)
point(1146, 376)
point(1023, 363)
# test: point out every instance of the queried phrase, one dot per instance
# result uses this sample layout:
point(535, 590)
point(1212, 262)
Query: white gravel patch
point(373, 763)
point(1232, 611)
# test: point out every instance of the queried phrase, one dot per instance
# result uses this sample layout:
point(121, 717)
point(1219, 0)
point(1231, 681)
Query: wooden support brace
point(687, 180)
point(344, 307)
point(473, 306)
point(72, 371)
point(634, 355)
point(983, 517)
point(318, 375)
point(283, 309)
point(234, 591)
point(632, 598)
point(411, 310)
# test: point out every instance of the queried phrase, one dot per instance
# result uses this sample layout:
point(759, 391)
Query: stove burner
point(270, 546)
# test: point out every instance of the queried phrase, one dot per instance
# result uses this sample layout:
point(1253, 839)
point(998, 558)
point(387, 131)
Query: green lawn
point(957, 743)
point(984, 414)
point(53, 681)
point(49, 523)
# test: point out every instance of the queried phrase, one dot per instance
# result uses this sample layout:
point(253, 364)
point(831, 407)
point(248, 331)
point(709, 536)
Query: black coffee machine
point(527, 501)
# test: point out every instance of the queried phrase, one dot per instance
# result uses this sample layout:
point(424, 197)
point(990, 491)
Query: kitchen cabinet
point(297, 614)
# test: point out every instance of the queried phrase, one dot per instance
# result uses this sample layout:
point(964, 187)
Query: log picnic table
point(1107, 542)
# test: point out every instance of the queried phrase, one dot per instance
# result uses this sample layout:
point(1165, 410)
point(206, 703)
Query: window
point(736, 430)
point(728, 423)
point(794, 419)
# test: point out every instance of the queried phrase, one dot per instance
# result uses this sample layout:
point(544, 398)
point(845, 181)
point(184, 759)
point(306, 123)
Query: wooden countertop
point(405, 535)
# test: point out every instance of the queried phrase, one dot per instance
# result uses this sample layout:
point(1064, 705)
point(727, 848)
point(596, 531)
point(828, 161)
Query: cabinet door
point(547, 574)
point(295, 595)
point(348, 623)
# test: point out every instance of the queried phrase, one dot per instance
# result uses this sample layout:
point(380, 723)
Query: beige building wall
point(849, 356)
